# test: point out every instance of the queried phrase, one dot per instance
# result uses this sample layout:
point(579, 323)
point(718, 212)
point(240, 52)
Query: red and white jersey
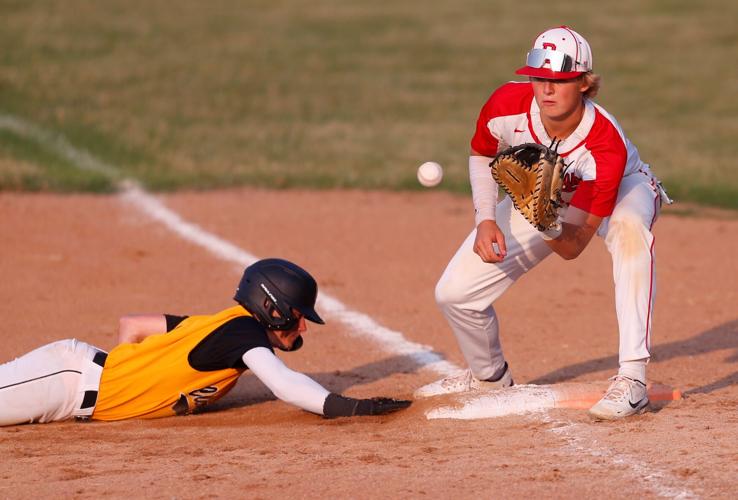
point(597, 152)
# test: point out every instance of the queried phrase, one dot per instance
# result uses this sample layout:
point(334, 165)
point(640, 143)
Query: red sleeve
point(483, 141)
point(510, 99)
point(606, 146)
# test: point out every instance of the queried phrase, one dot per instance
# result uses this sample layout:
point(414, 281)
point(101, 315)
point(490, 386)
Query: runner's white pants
point(49, 383)
point(468, 287)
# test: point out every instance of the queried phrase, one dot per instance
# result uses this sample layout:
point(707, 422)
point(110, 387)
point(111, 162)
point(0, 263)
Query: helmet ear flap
point(279, 318)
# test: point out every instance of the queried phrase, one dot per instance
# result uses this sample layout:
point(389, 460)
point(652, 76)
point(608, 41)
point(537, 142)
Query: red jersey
point(597, 152)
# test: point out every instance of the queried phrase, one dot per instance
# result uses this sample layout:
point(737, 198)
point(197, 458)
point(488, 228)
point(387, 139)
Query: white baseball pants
point(468, 287)
point(51, 383)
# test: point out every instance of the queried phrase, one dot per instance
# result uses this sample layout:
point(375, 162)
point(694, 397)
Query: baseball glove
point(532, 175)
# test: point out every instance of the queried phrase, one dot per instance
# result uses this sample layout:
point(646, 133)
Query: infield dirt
point(71, 265)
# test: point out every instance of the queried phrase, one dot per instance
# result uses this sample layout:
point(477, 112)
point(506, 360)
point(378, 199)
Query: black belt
point(90, 398)
point(100, 358)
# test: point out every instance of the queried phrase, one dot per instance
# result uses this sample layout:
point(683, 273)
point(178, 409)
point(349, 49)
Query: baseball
point(430, 174)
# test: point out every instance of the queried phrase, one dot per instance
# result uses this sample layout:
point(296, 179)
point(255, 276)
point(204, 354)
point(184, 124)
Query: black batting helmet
point(277, 285)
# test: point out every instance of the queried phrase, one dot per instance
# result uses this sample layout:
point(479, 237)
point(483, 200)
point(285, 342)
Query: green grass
point(347, 94)
point(35, 169)
point(715, 195)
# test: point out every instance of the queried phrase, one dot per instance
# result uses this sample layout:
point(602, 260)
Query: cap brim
point(547, 73)
point(311, 315)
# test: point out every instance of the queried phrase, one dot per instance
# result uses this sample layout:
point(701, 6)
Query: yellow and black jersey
point(177, 372)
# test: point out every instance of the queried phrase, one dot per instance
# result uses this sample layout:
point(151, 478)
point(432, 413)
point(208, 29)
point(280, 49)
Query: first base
point(529, 398)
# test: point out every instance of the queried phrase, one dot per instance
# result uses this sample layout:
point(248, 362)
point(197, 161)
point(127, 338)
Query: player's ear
point(583, 84)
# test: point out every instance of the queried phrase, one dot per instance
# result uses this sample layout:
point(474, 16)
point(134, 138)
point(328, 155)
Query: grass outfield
point(333, 93)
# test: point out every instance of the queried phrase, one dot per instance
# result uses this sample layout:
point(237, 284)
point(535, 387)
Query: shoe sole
point(638, 411)
point(419, 394)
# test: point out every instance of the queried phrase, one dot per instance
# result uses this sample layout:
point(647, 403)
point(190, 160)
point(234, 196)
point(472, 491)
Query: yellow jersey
point(155, 378)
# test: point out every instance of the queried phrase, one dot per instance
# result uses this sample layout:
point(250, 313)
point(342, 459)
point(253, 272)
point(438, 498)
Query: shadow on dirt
point(250, 390)
point(721, 337)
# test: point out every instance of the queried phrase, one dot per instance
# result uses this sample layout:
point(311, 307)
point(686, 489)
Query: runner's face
point(558, 99)
point(286, 338)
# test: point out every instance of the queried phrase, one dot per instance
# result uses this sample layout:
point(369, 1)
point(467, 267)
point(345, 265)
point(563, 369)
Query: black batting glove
point(341, 406)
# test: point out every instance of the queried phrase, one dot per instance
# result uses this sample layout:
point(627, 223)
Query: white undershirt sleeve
point(288, 385)
point(484, 189)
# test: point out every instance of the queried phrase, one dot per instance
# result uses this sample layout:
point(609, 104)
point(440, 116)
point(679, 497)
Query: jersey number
point(199, 398)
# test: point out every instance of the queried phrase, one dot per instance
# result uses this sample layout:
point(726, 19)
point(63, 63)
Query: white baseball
point(430, 174)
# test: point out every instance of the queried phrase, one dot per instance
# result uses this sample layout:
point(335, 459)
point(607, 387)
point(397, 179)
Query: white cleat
point(463, 382)
point(624, 397)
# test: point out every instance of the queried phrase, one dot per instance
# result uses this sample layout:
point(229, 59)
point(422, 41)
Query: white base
point(530, 398)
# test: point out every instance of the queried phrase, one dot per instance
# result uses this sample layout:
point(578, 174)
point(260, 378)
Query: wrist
point(483, 216)
point(487, 222)
point(336, 405)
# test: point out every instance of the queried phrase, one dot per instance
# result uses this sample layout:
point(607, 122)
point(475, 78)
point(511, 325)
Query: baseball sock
point(635, 370)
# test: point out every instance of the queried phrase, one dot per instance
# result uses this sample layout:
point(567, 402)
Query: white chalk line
point(535, 401)
point(60, 145)
point(358, 324)
point(659, 482)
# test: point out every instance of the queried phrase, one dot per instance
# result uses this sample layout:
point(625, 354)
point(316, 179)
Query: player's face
point(558, 99)
point(284, 339)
